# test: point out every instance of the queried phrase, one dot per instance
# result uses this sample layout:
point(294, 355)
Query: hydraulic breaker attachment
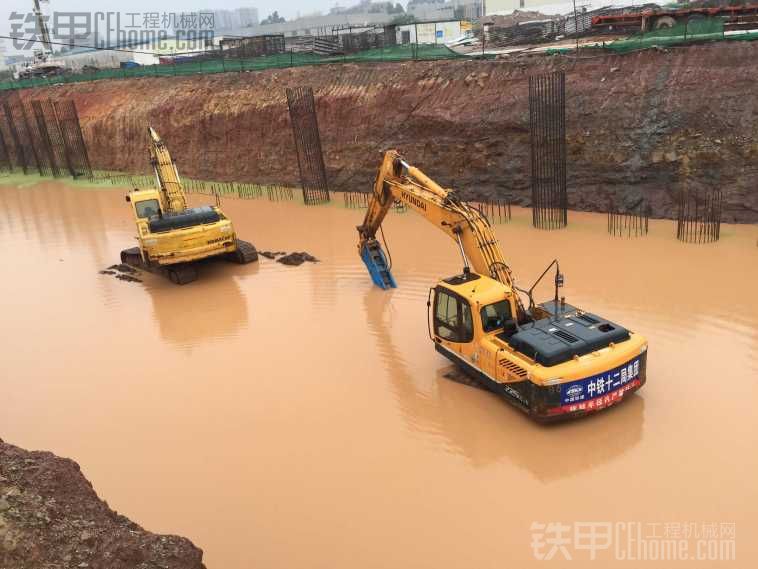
point(376, 263)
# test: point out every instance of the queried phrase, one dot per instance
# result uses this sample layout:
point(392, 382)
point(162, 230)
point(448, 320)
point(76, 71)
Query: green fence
point(694, 31)
point(206, 66)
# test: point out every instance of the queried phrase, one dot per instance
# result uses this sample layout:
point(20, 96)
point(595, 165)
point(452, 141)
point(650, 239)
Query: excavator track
point(181, 274)
point(245, 253)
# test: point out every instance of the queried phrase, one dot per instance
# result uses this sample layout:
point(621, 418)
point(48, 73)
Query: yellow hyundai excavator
point(551, 360)
point(172, 236)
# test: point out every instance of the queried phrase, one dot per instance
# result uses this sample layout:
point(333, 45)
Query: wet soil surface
point(50, 516)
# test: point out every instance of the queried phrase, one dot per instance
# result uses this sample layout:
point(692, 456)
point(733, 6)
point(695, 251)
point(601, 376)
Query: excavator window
point(494, 316)
point(147, 208)
point(452, 318)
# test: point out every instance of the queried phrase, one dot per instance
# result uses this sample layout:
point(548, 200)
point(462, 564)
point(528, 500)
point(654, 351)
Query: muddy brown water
point(298, 417)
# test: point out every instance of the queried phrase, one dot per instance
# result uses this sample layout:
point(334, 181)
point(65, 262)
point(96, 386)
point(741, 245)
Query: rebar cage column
point(310, 157)
point(68, 119)
point(629, 222)
point(699, 216)
point(547, 126)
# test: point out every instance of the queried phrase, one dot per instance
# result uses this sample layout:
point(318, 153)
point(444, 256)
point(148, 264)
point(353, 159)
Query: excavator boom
point(175, 201)
point(462, 222)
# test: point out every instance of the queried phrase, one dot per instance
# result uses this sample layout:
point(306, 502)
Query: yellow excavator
point(551, 360)
point(172, 236)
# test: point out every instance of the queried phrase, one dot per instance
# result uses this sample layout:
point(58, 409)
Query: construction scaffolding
point(310, 157)
point(547, 124)
point(699, 216)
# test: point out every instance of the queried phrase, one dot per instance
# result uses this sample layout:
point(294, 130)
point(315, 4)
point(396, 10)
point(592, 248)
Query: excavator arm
point(174, 199)
point(464, 223)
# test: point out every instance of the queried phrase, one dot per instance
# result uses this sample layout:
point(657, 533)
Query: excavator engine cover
point(187, 218)
point(555, 340)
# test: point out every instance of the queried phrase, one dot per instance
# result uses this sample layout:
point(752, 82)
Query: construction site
point(520, 246)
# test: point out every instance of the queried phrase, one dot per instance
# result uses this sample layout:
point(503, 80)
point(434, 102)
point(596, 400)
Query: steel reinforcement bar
point(68, 119)
point(547, 125)
point(699, 216)
point(310, 157)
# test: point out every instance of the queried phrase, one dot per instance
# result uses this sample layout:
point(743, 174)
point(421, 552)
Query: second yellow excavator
point(172, 236)
point(551, 360)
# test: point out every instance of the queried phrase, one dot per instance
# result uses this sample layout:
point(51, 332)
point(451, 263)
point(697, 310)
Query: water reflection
point(485, 429)
point(51, 214)
point(211, 308)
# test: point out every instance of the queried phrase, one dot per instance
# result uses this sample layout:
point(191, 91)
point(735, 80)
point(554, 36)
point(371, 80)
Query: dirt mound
point(50, 516)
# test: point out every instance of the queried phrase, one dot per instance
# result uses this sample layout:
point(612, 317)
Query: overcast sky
point(289, 8)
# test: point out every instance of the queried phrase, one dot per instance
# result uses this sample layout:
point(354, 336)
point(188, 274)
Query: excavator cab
point(147, 208)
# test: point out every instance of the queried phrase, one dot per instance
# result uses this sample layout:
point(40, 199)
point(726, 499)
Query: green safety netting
point(203, 66)
point(695, 30)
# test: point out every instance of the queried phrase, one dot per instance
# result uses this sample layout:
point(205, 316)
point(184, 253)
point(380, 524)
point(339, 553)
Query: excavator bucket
point(376, 263)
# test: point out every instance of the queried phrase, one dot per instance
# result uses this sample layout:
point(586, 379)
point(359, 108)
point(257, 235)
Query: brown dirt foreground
point(643, 124)
point(50, 516)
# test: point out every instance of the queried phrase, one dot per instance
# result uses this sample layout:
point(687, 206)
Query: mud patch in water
point(123, 273)
point(297, 259)
point(293, 259)
point(272, 254)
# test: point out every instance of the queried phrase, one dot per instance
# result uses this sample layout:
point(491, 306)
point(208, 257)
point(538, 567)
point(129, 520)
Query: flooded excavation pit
point(300, 418)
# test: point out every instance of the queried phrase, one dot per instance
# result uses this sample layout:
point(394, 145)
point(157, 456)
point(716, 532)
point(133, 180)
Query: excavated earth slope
point(50, 516)
point(641, 124)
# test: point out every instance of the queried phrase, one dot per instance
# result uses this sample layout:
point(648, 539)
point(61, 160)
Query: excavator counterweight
point(172, 236)
point(551, 360)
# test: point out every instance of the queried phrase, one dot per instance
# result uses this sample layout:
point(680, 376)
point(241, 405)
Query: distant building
point(551, 7)
point(245, 17)
point(468, 9)
point(325, 25)
point(438, 10)
point(431, 10)
point(429, 32)
point(504, 7)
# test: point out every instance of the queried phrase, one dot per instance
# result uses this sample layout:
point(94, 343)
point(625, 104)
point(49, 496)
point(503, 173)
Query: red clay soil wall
point(638, 124)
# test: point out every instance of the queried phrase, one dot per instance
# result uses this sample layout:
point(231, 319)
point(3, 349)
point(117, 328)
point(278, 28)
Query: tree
point(274, 18)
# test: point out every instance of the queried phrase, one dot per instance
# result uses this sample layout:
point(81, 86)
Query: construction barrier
point(698, 30)
point(220, 65)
